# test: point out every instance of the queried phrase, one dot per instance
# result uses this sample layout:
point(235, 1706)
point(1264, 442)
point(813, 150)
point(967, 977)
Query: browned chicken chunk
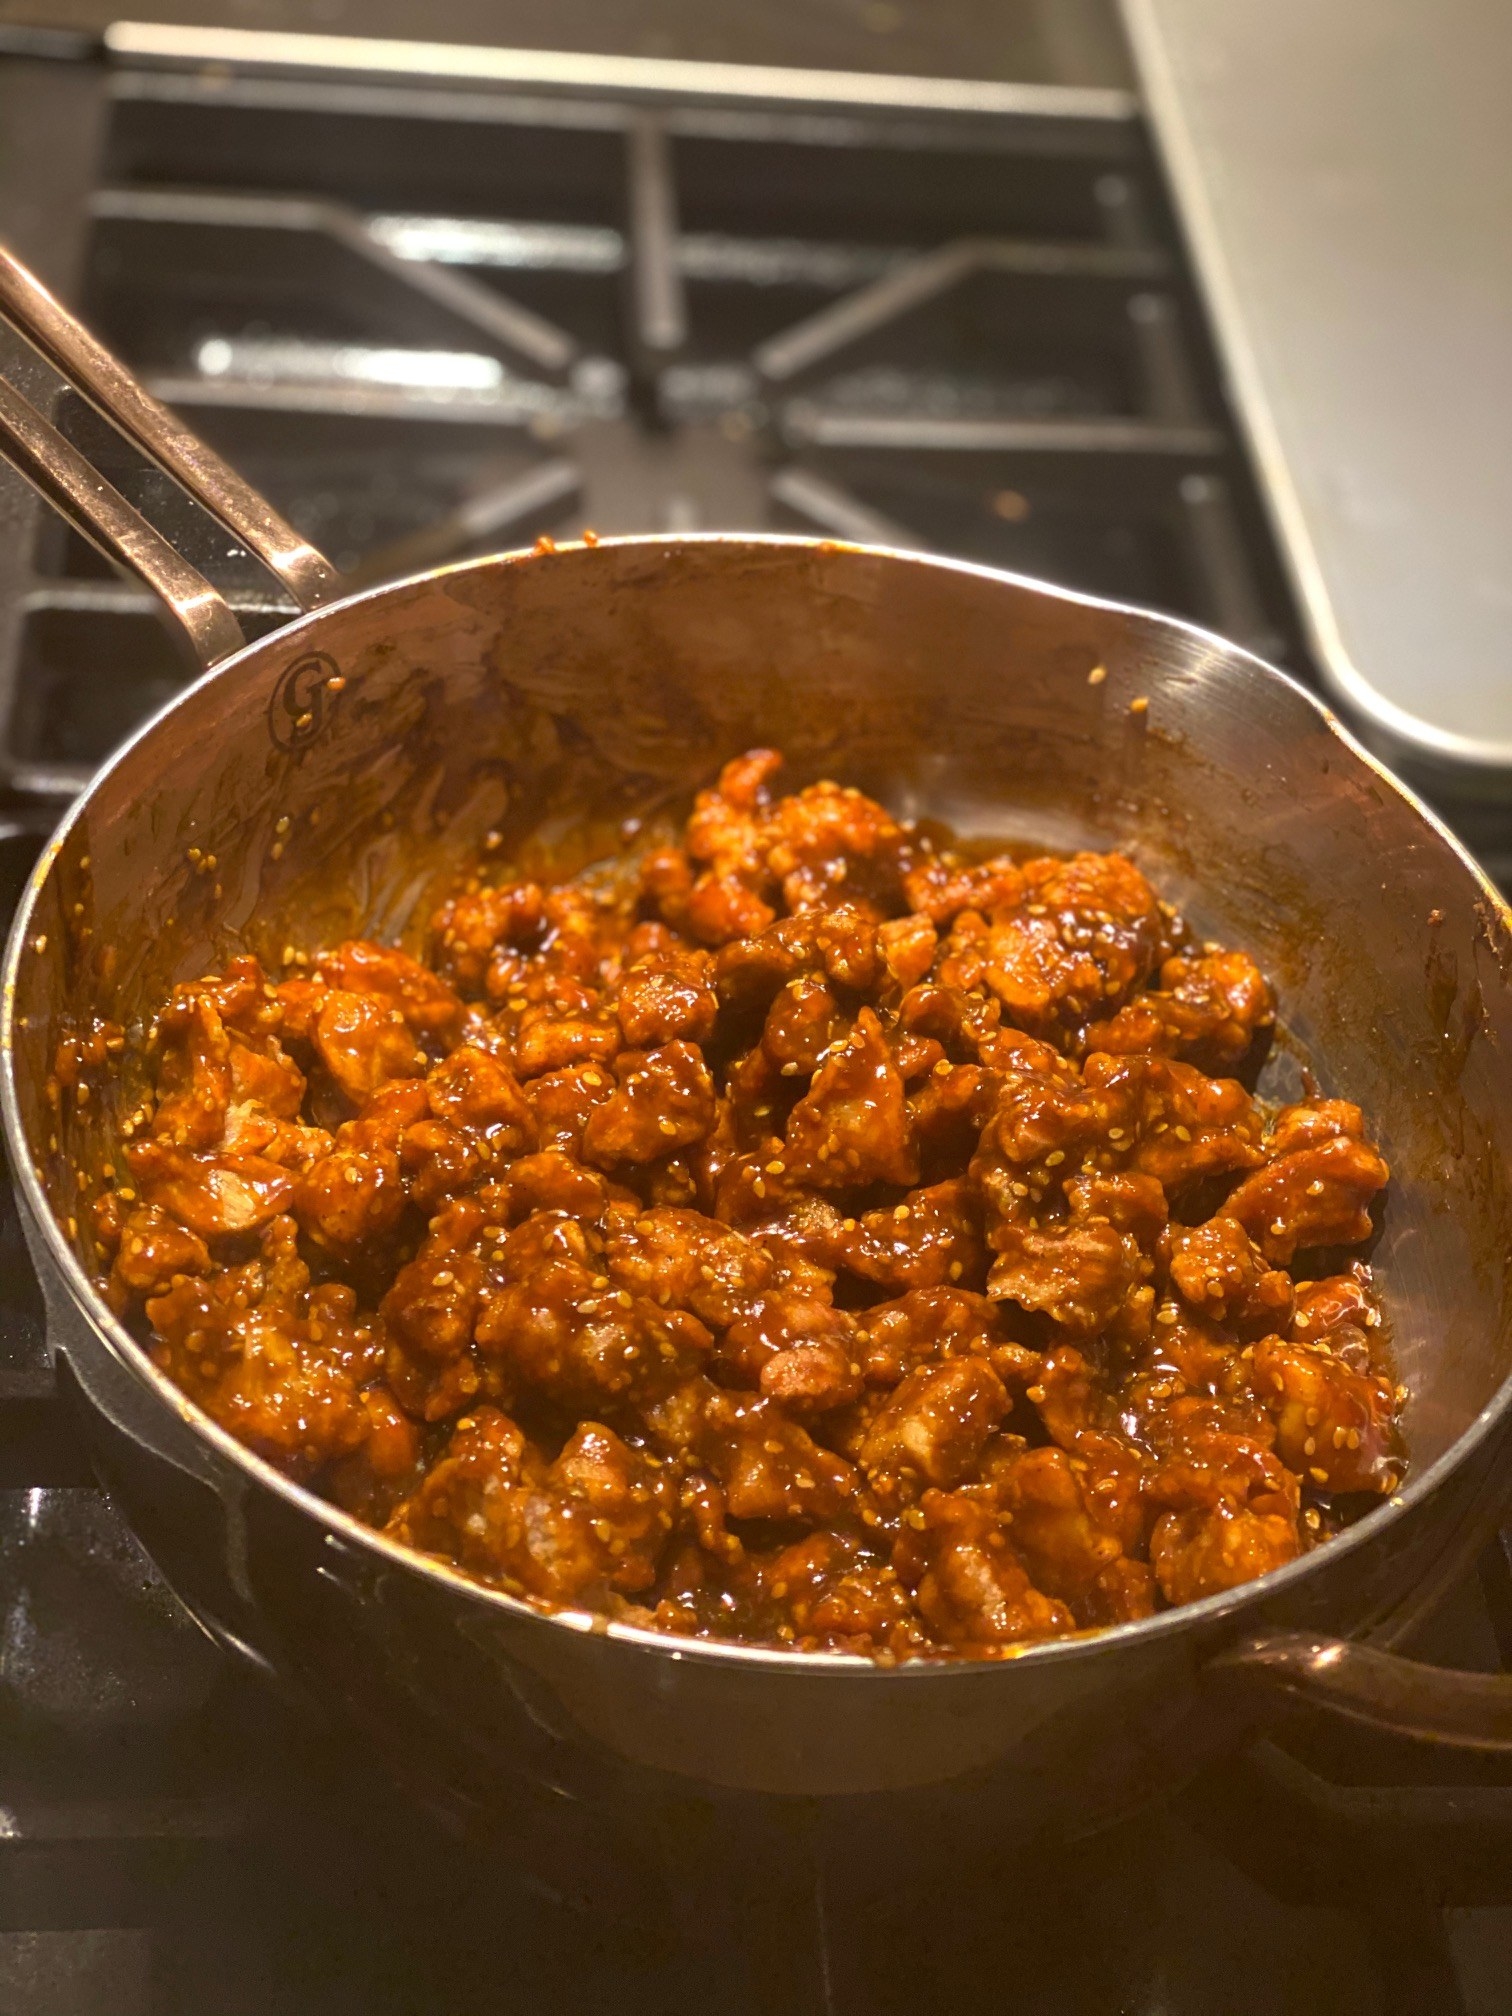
point(807, 1231)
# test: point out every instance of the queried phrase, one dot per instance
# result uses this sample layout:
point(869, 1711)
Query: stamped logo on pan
point(306, 690)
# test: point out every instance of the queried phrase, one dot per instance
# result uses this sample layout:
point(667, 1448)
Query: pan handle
point(102, 514)
point(58, 472)
point(1374, 1689)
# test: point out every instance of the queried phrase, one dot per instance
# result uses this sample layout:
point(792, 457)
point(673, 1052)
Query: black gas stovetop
point(433, 319)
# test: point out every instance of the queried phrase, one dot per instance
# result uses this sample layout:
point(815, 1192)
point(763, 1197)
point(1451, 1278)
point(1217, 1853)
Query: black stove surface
point(432, 322)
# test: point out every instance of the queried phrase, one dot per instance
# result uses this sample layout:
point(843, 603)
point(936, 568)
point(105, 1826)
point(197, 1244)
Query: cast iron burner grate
point(431, 321)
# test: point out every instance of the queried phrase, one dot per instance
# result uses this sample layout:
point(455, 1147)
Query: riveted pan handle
point(104, 517)
point(1373, 1689)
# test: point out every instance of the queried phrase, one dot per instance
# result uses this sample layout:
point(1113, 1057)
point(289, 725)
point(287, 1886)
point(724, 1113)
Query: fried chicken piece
point(593, 1522)
point(943, 885)
point(768, 1466)
point(211, 1195)
point(947, 1111)
point(1184, 1126)
point(1087, 933)
point(428, 1315)
point(1333, 1424)
point(1135, 1205)
point(1233, 1505)
point(281, 1378)
point(840, 945)
point(666, 995)
point(349, 1198)
point(1311, 1122)
point(429, 1007)
point(681, 1257)
point(1044, 1127)
point(1315, 1196)
point(1079, 1275)
point(1066, 1395)
point(1068, 1551)
point(194, 1072)
point(936, 1422)
point(1220, 1272)
point(1207, 1011)
point(828, 839)
point(384, 1467)
point(563, 1102)
point(928, 1324)
point(798, 1350)
point(804, 1021)
point(825, 1592)
point(153, 1248)
point(550, 1322)
point(363, 1044)
point(1204, 1551)
point(552, 1180)
point(719, 888)
point(970, 1587)
point(851, 1127)
point(467, 930)
point(476, 1093)
point(1339, 1301)
point(664, 1101)
point(933, 1237)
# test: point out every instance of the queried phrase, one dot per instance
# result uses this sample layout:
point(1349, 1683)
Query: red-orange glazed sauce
point(804, 1233)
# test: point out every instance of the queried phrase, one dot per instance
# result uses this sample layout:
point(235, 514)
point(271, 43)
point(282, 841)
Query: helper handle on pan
point(102, 515)
point(1379, 1690)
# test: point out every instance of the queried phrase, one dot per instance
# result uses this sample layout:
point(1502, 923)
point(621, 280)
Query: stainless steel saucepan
point(332, 776)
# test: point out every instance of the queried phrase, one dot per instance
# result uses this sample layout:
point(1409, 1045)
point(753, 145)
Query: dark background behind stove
point(172, 1837)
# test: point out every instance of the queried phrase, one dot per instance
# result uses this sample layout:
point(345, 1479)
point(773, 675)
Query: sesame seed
point(1097, 675)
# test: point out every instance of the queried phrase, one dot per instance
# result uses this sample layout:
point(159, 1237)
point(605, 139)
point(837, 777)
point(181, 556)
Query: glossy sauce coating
point(803, 1232)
